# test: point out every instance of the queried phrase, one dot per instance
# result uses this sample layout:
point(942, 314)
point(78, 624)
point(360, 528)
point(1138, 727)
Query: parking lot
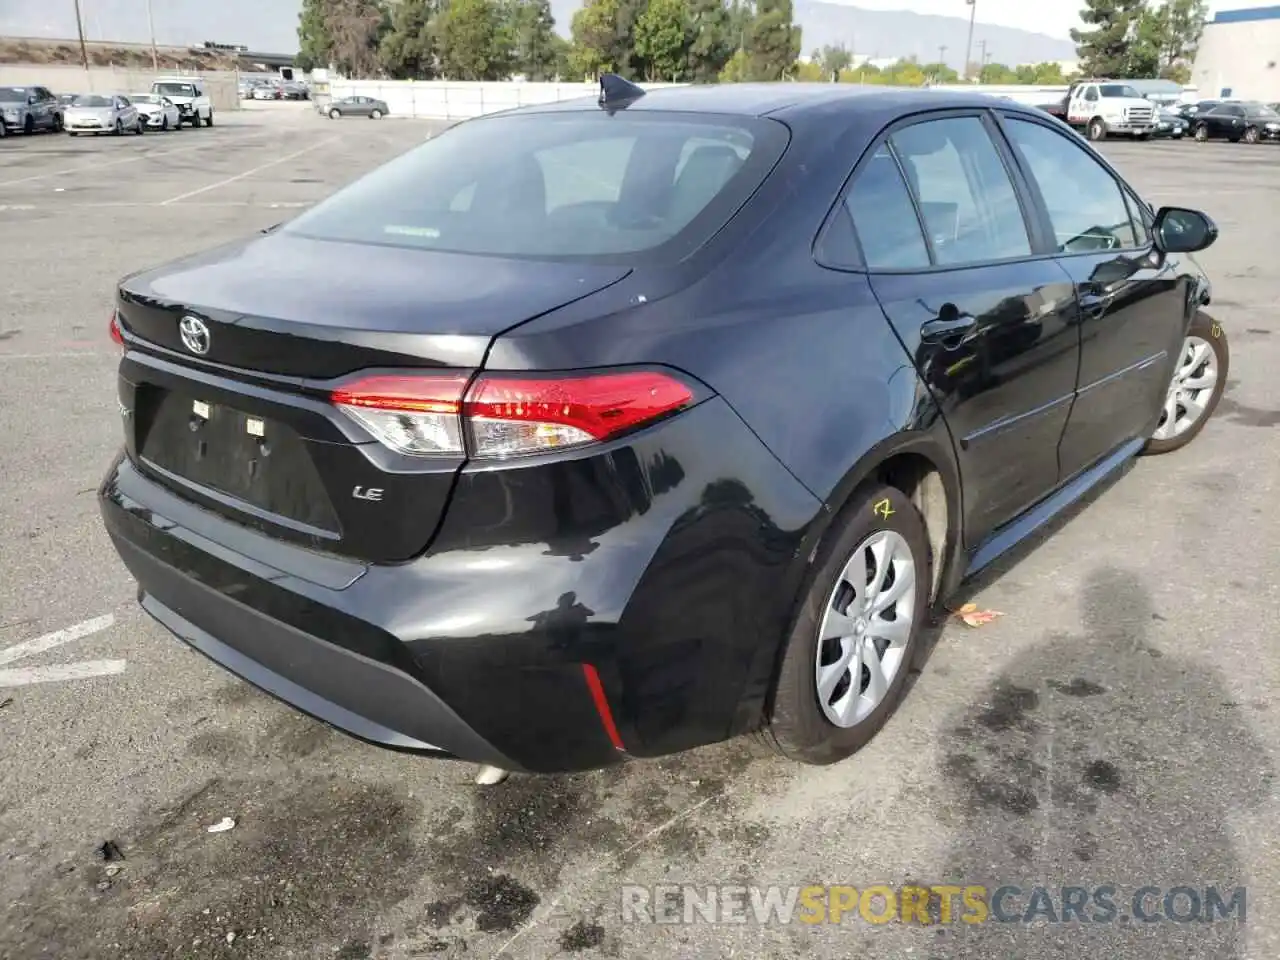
point(1118, 725)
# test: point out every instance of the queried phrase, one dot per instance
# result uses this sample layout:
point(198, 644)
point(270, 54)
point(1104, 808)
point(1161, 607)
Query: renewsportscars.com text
point(931, 904)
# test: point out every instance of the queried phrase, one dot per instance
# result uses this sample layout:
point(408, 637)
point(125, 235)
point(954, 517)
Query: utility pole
point(942, 54)
point(151, 22)
point(968, 47)
point(84, 51)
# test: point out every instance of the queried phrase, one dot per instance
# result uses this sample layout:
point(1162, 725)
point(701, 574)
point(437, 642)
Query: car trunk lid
point(239, 419)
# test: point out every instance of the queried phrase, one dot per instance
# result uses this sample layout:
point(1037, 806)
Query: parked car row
point(1106, 108)
point(273, 88)
point(171, 102)
point(1232, 120)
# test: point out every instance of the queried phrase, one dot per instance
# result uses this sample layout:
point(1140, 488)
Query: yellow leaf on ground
point(974, 617)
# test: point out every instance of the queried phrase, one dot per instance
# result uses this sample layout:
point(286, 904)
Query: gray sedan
point(356, 107)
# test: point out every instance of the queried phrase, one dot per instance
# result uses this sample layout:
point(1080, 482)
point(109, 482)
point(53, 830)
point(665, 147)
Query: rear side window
point(966, 197)
point(884, 218)
point(579, 186)
point(1086, 206)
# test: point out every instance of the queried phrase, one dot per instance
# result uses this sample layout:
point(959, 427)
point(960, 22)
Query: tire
point(1097, 129)
point(1203, 330)
point(29, 125)
point(1251, 135)
point(375, 114)
point(119, 129)
point(73, 133)
point(208, 121)
point(57, 123)
point(797, 725)
point(140, 127)
point(164, 124)
point(335, 114)
point(1202, 133)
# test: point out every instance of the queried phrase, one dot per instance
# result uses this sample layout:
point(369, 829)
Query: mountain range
point(271, 26)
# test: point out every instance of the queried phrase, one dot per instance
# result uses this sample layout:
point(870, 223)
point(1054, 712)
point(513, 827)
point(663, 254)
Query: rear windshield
point(579, 186)
point(174, 89)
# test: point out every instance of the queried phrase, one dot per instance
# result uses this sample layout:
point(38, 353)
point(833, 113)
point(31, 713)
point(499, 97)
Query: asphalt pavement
point(1117, 726)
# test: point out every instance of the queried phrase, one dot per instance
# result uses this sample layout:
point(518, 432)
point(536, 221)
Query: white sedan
point(158, 112)
point(99, 113)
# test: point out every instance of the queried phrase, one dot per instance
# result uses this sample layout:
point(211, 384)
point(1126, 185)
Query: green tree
point(738, 69)
point(1167, 38)
point(997, 73)
point(595, 43)
point(663, 35)
point(473, 41)
point(1106, 50)
point(833, 59)
point(355, 29)
point(713, 39)
point(410, 49)
point(940, 73)
point(773, 40)
point(536, 50)
point(314, 42)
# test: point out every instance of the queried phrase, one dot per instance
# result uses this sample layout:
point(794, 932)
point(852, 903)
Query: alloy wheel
point(1190, 389)
point(864, 631)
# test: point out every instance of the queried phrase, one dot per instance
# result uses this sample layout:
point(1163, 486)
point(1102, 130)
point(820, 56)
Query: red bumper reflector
point(602, 705)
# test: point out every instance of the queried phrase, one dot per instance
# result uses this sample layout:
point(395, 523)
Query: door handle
point(951, 329)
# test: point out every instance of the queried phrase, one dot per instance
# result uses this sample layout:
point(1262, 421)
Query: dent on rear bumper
point(669, 562)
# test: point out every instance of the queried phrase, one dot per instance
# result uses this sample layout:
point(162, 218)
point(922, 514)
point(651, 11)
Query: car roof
point(785, 100)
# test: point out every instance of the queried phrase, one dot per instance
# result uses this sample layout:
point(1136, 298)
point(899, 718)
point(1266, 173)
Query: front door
point(1131, 305)
point(986, 322)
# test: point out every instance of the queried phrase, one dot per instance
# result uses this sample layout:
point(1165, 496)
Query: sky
point(270, 25)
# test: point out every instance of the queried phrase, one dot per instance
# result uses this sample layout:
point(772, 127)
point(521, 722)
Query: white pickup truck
point(189, 95)
point(1103, 108)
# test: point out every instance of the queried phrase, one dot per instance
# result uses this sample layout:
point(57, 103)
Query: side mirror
point(32, 100)
point(1179, 230)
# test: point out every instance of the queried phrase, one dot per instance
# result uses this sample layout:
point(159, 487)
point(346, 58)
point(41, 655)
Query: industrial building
point(1239, 56)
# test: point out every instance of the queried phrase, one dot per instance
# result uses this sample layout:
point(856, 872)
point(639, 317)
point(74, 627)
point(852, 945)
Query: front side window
point(574, 185)
point(966, 198)
point(1086, 207)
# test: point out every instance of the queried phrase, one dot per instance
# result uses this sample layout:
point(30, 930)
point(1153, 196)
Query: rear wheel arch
point(925, 470)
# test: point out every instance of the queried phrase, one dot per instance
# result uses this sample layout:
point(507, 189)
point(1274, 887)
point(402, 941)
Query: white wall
point(446, 100)
point(65, 78)
point(1242, 56)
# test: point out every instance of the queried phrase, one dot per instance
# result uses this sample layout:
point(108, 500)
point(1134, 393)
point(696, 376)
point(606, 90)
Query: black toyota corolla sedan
point(610, 428)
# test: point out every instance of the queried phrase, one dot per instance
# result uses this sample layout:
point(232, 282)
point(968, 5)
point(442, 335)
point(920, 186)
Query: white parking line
point(250, 172)
point(26, 676)
point(30, 648)
point(95, 167)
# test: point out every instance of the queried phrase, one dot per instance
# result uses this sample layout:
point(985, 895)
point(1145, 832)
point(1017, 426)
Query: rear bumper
point(641, 568)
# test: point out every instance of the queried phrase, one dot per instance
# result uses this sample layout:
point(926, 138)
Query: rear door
point(1132, 316)
point(951, 252)
point(1226, 121)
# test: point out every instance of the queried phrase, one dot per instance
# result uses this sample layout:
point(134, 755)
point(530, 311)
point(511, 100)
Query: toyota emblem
point(195, 334)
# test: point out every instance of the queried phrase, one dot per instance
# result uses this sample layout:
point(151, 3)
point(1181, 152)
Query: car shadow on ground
point(1102, 742)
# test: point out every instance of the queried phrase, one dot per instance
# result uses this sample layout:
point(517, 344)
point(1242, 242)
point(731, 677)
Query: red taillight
point(511, 415)
point(114, 328)
point(507, 415)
